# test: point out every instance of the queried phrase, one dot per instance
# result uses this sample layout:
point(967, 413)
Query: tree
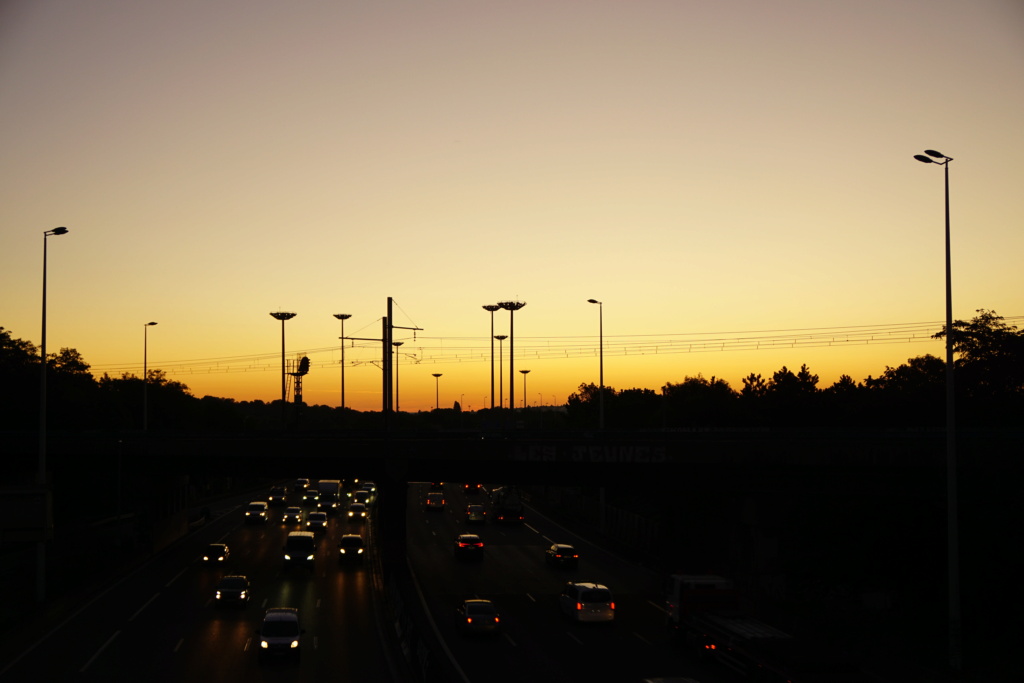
point(697, 402)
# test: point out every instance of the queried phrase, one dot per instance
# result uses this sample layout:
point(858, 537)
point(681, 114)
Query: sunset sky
point(734, 180)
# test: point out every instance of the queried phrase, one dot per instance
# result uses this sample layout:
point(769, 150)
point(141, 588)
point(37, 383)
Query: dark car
point(300, 550)
point(475, 514)
point(477, 616)
point(216, 553)
point(233, 589)
point(435, 501)
point(357, 512)
point(351, 547)
point(311, 497)
point(278, 495)
point(469, 546)
point(257, 512)
point(561, 555)
point(280, 634)
point(472, 488)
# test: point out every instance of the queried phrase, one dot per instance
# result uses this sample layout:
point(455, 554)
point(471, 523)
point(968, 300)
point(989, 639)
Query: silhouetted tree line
point(989, 387)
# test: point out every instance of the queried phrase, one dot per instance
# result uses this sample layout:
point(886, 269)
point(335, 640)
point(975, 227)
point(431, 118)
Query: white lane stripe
point(137, 613)
point(99, 651)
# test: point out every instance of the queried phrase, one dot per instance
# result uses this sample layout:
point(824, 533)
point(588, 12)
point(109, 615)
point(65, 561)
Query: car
point(278, 495)
point(280, 634)
point(233, 589)
point(257, 512)
point(292, 515)
point(587, 602)
point(351, 547)
point(300, 549)
point(368, 486)
point(311, 497)
point(472, 488)
point(437, 486)
point(361, 496)
point(477, 616)
point(301, 484)
point(357, 512)
point(316, 521)
point(469, 546)
point(435, 501)
point(561, 555)
point(216, 553)
point(476, 514)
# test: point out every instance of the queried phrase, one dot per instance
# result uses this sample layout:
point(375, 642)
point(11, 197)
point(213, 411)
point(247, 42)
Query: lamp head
point(501, 337)
point(933, 153)
point(922, 158)
point(593, 301)
point(59, 231)
point(148, 324)
point(491, 307)
point(342, 316)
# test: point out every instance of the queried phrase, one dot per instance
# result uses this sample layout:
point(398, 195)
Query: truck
point(705, 612)
point(331, 495)
point(506, 505)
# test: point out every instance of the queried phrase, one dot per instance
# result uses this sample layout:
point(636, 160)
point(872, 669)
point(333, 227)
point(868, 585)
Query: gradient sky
point(721, 170)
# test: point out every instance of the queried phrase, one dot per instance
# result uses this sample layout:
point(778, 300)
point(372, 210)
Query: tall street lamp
point(501, 372)
point(41, 475)
point(952, 533)
point(437, 390)
point(491, 308)
point(145, 375)
point(342, 317)
point(511, 307)
point(525, 372)
point(600, 327)
point(283, 316)
point(396, 345)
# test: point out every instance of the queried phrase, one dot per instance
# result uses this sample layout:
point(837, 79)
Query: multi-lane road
point(160, 622)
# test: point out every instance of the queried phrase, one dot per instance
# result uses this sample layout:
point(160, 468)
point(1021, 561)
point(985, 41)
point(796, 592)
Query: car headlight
point(206, 558)
point(309, 557)
point(218, 595)
point(264, 644)
point(294, 644)
point(242, 595)
point(287, 557)
point(220, 559)
point(360, 551)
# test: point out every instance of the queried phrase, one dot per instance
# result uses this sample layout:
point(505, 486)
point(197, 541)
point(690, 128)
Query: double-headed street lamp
point(491, 308)
point(437, 390)
point(511, 307)
point(525, 373)
point(952, 533)
point(342, 317)
point(501, 371)
point(145, 375)
point(600, 319)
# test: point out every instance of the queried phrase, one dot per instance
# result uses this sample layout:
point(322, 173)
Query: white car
point(584, 601)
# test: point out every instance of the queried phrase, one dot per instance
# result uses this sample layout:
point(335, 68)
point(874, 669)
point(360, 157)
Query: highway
point(159, 622)
point(535, 642)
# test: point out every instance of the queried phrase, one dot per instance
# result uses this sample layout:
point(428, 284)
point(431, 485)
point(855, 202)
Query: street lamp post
point(283, 316)
point(437, 390)
point(342, 317)
point(396, 345)
point(41, 475)
point(600, 327)
point(525, 372)
point(511, 307)
point(501, 372)
point(491, 308)
point(952, 533)
point(145, 376)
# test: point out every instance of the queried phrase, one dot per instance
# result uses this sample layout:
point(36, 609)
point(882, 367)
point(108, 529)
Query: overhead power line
point(453, 350)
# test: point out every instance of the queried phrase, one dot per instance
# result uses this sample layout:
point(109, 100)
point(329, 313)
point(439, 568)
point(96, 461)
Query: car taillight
point(613, 605)
point(579, 605)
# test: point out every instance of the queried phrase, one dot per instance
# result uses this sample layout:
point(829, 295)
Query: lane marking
point(509, 639)
point(178, 646)
point(642, 638)
point(137, 613)
point(574, 637)
point(532, 599)
point(99, 651)
point(176, 577)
